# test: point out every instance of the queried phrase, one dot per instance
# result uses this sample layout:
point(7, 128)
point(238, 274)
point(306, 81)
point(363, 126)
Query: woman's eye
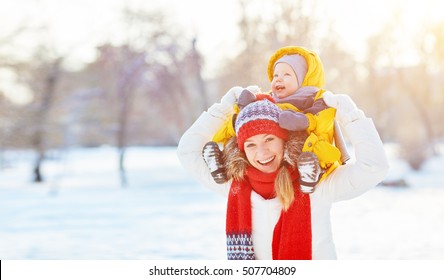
point(269, 139)
point(249, 145)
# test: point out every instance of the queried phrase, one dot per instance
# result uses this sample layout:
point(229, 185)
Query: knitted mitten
point(246, 97)
point(309, 171)
point(293, 121)
point(212, 156)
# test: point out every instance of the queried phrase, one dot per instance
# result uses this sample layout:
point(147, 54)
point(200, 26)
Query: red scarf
point(292, 233)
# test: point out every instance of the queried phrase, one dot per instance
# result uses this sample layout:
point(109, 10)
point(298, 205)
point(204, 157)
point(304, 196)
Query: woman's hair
point(235, 160)
point(283, 186)
point(236, 164)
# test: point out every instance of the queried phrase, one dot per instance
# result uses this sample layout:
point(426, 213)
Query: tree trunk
point(196, 61)
point(121, 137)
point(122, 171)
point(37, 174)
point(41, 118)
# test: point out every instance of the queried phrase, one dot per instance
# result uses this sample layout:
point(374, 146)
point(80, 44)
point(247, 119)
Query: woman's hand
point(346, 109)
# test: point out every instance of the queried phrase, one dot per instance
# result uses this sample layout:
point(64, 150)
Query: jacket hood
point(315, 70)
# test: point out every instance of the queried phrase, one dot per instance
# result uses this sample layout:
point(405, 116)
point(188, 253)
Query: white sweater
point(347, 181)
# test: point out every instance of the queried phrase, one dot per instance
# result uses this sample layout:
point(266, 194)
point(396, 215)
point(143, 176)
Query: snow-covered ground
point(81, 211)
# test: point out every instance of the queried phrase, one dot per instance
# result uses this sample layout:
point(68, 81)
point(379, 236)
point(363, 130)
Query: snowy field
point(81, 211)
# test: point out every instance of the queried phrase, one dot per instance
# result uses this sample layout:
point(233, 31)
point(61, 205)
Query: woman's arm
point(371, 165)
point(189, 150)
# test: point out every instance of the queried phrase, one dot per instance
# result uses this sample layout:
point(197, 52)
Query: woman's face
point(265, 152)
point(284, 82)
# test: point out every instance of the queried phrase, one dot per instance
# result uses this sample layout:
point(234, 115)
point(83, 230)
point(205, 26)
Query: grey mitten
point(212, 156)
point(310, 171)
point(293, 121)
point(246, 97)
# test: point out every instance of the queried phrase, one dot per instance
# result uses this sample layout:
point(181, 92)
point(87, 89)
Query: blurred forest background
point(149, 87)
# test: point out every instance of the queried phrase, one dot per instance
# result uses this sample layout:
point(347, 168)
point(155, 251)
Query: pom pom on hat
point(260, 117)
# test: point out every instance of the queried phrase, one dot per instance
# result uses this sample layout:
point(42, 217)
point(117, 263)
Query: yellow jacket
point(321, 127)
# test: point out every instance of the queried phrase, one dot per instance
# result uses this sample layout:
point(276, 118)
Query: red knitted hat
point(260, 117)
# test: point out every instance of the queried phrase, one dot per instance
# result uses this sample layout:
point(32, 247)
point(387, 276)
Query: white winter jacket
point(347, 181)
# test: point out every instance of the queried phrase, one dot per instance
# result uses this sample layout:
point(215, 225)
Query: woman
point(281, 222)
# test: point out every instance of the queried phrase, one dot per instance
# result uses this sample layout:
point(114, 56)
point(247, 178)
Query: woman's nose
point(262, 149)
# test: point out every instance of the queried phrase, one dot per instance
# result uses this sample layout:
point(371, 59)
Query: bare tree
point(431, 44)
point(8, 62)
point(288, 23)
point(196, 67)
point(127, 80)
point(417, 136)
point(150, 62)
point(45, 90)
point(403, 98)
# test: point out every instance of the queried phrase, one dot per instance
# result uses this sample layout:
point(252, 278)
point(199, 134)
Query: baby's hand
point(246, 97)
point(293, 121)
point(232, 96)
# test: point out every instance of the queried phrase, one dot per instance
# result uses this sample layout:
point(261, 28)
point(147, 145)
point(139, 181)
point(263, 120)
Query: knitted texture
point(292, 237)
point(260, 117)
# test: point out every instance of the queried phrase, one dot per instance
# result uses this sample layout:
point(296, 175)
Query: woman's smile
point(267, 161)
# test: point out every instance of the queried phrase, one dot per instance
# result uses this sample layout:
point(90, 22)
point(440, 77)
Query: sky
point(76, 26)
point(79, 23)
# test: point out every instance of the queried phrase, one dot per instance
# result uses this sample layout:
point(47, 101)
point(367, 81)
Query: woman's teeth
point(263, 162)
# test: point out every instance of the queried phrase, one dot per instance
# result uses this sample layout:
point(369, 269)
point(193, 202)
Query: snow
point(82, 212)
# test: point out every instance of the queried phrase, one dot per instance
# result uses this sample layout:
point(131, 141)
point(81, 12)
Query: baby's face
point(284, 81)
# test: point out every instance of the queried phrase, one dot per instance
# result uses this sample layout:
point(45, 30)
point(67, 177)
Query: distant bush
point(416, 153)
